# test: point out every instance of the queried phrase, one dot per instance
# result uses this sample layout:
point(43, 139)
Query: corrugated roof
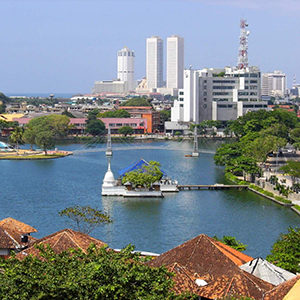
point(267, 271)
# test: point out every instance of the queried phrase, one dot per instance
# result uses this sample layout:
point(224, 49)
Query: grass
point(32, 157)
point(281, 199)
point(297, 207)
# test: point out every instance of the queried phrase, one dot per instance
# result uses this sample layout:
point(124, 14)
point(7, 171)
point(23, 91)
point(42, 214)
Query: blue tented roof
point(135, 166)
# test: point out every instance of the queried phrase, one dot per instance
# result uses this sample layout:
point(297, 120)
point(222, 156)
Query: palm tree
point(17, 136)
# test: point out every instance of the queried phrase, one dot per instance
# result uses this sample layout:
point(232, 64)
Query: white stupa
point(109, 186)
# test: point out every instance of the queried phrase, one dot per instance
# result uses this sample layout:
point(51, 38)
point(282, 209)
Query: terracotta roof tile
point(281, 290)
point(62, 241)
point(217, 265)
point(10, 223)
point(6, 241)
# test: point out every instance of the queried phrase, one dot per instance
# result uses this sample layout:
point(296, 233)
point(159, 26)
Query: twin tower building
point(155, 64)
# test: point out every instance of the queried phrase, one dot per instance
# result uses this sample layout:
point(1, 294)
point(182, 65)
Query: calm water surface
point(35, 191)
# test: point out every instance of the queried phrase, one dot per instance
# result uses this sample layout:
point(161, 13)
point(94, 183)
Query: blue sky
point(57, 46)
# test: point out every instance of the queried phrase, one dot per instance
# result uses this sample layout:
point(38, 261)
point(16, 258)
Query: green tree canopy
point(292, 168)
point(120, 113)
point(232, 242)
point(98, 274)
point(92, 115)
point(4, 98)
point(16, 136)
point(136, 102)
point(165, 115)
point(144, 176)
point(125, 130)
point(42, 130)
point(95, 127)
point(68, 114)
point(86, 218)
point(285, 252)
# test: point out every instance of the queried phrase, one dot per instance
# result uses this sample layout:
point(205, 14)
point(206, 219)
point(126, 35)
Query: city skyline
point(53, 46)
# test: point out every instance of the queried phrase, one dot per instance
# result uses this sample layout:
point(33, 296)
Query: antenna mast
point(243, 48)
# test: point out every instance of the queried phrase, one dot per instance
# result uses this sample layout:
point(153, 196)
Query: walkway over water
point(127, 148)
point(211, 186)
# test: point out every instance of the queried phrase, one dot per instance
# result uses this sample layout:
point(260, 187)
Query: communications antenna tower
point(243, 48)
point(108, 151)
point(294, 80)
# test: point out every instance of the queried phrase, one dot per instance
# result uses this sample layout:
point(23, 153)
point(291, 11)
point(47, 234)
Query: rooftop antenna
point(294, 80)
point(243, 45)
point(108, 148)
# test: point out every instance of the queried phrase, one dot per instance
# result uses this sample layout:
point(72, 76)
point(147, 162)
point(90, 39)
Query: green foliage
point(136, 102)
point(292, 168)
point(2, 108)
point(120, 113)
point(42, 130)
point(98, 274)
point(68, 114)
point(281, 199)
point(16, 136)
point(267, 193)
point(125, 130)
point(242, 164)
point(92, 116)
point(232, 242)
point(86, 218)
point(95, 127)
point(165, 115)
point(285, 252)
point(177, 133)
point(226, 153)
point(144, 176)
point(4, 98)
point(297, 207)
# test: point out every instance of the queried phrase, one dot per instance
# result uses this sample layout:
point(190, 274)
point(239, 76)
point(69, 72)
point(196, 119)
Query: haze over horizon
point(64, 46)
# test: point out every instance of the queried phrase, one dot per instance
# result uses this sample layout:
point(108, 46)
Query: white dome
point(109, 179)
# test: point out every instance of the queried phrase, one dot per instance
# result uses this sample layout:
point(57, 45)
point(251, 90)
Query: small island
point(140, 179)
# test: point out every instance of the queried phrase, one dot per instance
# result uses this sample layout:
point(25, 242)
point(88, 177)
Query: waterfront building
point(218, 94)
point(175, 62)
point(147, 113)
point(110, 86)
point(126, 67)
point(154, 62)
point(273, 84)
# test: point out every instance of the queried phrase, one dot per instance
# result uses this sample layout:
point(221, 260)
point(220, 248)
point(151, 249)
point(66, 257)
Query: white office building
point(273, 84)
point(218, 94)
point(175, 62)
point(110, 86)
point(126, 67)
point(154, 62)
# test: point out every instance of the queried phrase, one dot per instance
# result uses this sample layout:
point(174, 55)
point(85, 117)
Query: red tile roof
point(218, 265)
point(62, 241)
point(11, 231)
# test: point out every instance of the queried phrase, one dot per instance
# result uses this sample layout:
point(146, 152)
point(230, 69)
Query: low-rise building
point(147, 113)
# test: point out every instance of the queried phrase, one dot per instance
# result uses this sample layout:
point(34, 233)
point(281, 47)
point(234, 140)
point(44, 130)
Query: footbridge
point(91, 150)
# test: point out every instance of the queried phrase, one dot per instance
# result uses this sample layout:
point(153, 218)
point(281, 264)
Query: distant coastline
point(43, 95)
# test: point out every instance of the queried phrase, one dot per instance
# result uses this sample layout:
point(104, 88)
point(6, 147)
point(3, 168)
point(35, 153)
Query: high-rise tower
point(154, 62)
point(175, 62)
point(243, 48)
point(126, 67)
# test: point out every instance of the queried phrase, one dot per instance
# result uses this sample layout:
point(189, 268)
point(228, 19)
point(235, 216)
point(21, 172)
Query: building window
point(204, 81)
point(181, 105)
point(205, 87)
point(180, 99)
point(112, 125)
point(133, 125)
point(205, 99)
point(180, 93)
point(204, 93)
point(204, 105)
point(128, 53)
point(119, 124)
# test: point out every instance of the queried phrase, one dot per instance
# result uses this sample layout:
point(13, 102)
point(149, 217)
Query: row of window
point(125, 53)
point(222, 93)
point(120, 124)
point(247, 75)
point(224, 81)
point(255, 106)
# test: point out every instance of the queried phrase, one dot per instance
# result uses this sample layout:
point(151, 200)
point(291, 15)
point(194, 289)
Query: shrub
point(297, 207)
point(281, 199)
point(267, 193)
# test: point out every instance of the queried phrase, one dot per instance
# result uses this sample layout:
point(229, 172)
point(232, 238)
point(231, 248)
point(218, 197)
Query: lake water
point(35, 191)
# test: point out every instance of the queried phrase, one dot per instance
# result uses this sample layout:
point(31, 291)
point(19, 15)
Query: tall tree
point(285, 252)
point(17, 136)
point(86, 218)
point(95, 127)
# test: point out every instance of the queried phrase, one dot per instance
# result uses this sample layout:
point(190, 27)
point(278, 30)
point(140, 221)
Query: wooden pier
point(210, 187)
